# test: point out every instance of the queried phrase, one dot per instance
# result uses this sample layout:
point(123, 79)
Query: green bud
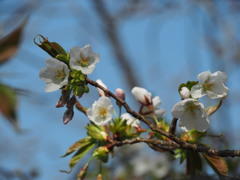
point(195, 136)
point(101, 153)
point(97, 132)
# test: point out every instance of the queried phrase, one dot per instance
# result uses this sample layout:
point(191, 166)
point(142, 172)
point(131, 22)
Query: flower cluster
point(191, 112)
point(107, 127)
point(56, 74)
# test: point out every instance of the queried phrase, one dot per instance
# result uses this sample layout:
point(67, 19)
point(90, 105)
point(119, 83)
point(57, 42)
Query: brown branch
point(173, 126)
point(170, 146)
point(176, 142)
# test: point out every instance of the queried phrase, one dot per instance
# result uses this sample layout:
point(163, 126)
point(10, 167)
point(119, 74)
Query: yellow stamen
point(102, 112)
point(60, 74)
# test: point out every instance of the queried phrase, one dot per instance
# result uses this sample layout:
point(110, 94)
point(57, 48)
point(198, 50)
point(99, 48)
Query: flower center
point(84, 61)
point(208, 86)
point(102, 112)
point(60, 74)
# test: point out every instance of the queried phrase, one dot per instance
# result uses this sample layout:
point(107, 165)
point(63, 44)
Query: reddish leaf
point(218, 164)
point(10, 43)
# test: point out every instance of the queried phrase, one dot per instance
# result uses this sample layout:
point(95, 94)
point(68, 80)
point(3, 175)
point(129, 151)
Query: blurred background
point(152, 44)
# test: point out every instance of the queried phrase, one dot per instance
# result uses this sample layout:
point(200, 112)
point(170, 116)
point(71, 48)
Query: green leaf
point(217, 163)
point(52, 48)
point(77, 145)
point(189, 85)
point(8, 105)
point(79, 154)
point(212, 109)
point(194, 162)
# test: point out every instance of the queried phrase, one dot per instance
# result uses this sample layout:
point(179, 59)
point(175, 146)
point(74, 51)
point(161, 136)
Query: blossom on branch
point(211, 85)
point(192, 115)
point(101, 111)
point(101, 92)
point(130, 120)
point(142, 96)
point(55, 74)
point(157, 111)
point(83, 59)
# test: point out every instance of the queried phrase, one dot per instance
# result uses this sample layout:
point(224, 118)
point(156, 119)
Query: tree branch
point(175, 141)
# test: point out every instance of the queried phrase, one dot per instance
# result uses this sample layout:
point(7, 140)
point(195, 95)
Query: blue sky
point(164, 53)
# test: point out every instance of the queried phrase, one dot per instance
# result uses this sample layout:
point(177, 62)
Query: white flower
point(130, 120)
point(83, 59)
point(192, 115)
point(101, 92)
point(142, 95)
point(211, 85)
point(55, 74)
point(158, 112)
point(101, 111)
point(185, 93)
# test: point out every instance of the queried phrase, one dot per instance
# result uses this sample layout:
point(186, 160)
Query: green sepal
point(97, 132)
point(52, 48)
point(195, 136)
point(212, 109)
point(77, 145)
point(63, 58)
point(101, 153)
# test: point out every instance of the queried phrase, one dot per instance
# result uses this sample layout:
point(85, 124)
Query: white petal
point(204, 76)
point(50, 87)
point(156, 101)
point(178, 109)
point(159, 112)
point(184, 93)
point(142, 95)
point(197, 91)
point(101, 92)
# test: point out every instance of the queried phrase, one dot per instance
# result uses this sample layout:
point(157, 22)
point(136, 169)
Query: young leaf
point(218, 164)
point(77, 145)
point(52, 48)
point(79, 154)
point(212, 109)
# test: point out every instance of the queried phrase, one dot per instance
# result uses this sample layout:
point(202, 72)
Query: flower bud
point(71, 102)
point(68, 115)
point(184, 93)
point(83, 172)
point(64, 98)
point(101, 92)
point(99, 177)
point(101, 153)
point(120, 93)
point(142, 96)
